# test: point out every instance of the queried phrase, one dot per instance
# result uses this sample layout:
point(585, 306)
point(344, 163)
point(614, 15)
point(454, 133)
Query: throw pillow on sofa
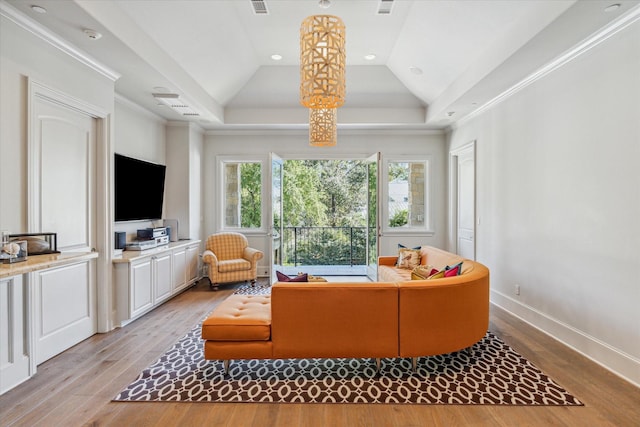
point(284, 278)
point(437, 275)
point(422, 272)
point(454, 270)
point(401, 247)
point(448, 271)
point(408, 258)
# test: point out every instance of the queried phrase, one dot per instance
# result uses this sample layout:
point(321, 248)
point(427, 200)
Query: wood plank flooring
point(75, 388)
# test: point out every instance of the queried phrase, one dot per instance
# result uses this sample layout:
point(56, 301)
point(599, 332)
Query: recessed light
point(324, 3)
point(370, 57)
point(276, 57)
point(612, 7)
point(38, 9)
point(415, 70)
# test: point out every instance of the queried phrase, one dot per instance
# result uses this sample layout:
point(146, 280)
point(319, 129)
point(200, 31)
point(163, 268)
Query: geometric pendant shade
point(322, 62)
point(322, 75)
point(323, 130)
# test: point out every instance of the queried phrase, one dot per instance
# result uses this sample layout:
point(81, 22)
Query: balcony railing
point(324, 246)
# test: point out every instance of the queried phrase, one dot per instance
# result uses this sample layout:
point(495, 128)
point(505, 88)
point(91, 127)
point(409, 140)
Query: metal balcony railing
point(324, 246)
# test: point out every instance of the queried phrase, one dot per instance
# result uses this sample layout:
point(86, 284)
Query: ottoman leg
point(226, 366)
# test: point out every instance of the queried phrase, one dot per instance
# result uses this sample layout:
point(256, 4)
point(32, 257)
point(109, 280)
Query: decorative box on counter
point(13, 251)
point(38, 243)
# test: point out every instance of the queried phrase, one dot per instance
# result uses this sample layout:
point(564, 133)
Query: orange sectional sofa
point(386, 319)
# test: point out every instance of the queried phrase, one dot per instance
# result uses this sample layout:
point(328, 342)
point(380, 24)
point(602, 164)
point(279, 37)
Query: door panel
point(466, 205)
point(67, 164)
point(65, 308)
point(276, 233)
point(373, 221)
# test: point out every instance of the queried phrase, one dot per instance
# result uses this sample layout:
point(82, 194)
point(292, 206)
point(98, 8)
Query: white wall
point(140, 134)
point(351, 144)
point(24, 57)
point(184, 178)
point(559, 201)
point(196, 189)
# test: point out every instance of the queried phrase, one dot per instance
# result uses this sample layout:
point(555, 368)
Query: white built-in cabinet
point(47, 304)
point(14, 344)
point(146, 279)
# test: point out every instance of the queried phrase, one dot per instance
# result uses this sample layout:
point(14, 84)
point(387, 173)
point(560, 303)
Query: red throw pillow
point(284, 278)
point(452, 271)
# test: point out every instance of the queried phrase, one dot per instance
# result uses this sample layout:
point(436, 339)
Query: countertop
point(42, 262)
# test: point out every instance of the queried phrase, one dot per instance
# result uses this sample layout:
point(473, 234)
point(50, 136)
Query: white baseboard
point(620, 363)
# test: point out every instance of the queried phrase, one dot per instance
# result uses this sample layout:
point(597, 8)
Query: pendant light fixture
point(323, 129)
point(322, 75)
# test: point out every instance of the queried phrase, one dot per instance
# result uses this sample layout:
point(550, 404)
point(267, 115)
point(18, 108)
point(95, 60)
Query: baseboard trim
point(618, 362)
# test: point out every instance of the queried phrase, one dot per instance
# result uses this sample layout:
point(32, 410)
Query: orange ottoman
point(239, 328)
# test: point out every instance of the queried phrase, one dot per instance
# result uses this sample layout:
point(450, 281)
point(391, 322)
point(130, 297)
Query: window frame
point(424, 230)
point(221, 162)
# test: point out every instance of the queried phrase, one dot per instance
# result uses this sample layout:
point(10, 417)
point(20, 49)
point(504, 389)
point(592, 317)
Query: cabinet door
point(14, 347)
point(192, 260)
point(141, 297)
point(65, 304)
point(162, 277)
point(179, 269)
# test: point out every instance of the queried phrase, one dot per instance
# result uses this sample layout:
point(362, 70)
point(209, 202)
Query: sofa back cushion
point(334, 319)
point(438, 258)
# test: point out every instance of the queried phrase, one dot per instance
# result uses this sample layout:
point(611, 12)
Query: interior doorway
point(463, 200)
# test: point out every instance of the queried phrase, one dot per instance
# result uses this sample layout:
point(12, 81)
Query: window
point(407, 199)
point(242, 194)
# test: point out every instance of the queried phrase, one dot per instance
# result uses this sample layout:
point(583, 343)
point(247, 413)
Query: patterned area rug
point(488, 373)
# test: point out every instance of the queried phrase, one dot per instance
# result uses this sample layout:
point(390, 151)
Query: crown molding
point(341, 132)
point(586, 45)
point(55, 40)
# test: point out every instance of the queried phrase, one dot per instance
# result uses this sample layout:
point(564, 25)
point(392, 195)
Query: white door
point(466, 201)
point(62, 200)
point(66, 194)
point(276, 234)
point(373, 219)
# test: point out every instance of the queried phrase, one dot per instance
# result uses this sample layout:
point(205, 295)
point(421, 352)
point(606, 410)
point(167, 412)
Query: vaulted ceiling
point(435, 61)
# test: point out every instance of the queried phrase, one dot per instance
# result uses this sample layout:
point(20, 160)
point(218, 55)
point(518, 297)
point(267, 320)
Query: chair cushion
point(233, 265)
point(240, 318)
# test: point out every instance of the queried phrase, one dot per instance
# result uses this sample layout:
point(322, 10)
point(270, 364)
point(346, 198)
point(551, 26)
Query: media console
point(145, 279)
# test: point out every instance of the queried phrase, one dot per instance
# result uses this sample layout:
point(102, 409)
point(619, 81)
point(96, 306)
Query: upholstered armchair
point(230, 259)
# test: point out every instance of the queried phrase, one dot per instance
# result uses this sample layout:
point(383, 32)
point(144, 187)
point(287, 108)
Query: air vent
point(384, 7)
point(259, 7)
point(173, 101)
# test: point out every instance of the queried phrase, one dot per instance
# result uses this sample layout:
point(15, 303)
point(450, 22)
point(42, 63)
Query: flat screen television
point(139, 189)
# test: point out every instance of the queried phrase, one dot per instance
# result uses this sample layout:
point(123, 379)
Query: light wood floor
point(76, 387)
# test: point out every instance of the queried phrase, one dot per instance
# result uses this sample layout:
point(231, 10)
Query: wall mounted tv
point(139, 189)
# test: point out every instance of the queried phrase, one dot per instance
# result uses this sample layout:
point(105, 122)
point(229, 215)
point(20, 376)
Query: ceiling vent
point(259, 7)
point(384, 7)
point(173, 101)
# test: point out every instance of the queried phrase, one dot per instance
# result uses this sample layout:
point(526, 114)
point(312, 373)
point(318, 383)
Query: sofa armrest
point(209, 257)
point(251, 254)
point(443, 315)
point(387, 260)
